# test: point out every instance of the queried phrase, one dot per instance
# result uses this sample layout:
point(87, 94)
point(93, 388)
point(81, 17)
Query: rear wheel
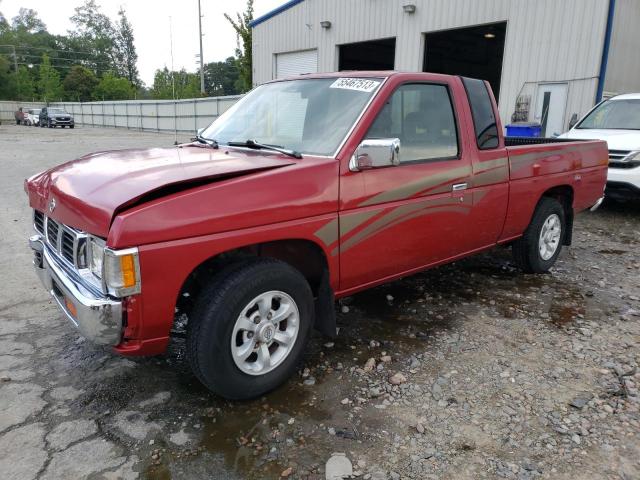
point(538, 249)
point(248, 328)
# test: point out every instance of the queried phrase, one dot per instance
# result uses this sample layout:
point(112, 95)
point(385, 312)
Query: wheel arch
point(305, 255)
point(563, 194)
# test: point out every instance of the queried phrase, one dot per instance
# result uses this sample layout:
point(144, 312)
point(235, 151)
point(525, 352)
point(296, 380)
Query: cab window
point(422, 117)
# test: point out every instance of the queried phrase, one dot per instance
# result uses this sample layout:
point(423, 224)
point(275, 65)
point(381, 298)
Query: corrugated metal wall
point(151, 115)
point(623, 69)
point(546, 41)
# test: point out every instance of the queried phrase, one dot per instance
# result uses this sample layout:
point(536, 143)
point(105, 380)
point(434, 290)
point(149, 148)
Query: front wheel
point(249, 327)
point(538, 249)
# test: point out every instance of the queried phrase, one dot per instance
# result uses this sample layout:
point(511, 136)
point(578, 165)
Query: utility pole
point(15, 65)
point(201, 58)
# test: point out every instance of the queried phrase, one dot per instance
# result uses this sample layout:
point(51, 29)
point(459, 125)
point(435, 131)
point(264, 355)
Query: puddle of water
point(243, 433)
point(612, 251)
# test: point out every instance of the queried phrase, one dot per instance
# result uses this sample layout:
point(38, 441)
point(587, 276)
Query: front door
point(550, 108)
point(398, 219)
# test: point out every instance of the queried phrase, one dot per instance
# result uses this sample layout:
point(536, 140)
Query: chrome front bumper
point(98, 317)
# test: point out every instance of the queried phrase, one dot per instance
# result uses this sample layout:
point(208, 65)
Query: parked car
point(306, 190)
point(33, 117)
point(19, 116)
point(617, 121)
point(55, 117)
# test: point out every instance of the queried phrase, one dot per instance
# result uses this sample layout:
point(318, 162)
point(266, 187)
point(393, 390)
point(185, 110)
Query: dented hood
point(88, 192)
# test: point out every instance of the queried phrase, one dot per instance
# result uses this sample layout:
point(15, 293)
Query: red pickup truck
point(306, 190)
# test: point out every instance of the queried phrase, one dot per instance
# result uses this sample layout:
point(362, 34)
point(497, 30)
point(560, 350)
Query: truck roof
point(359, 74)
point(626, 96)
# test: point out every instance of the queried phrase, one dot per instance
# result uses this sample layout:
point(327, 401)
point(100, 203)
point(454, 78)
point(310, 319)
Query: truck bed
point(537, 165)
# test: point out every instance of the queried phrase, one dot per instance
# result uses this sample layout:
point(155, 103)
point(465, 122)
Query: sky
point(150, 20)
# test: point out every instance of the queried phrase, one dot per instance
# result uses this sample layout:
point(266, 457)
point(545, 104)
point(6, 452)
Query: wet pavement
point(471, 370)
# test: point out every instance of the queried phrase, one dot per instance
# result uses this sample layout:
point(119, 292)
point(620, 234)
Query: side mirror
point(573, 121)
point(376, 153)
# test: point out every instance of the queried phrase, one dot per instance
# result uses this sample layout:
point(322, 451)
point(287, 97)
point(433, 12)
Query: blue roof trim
point(274, 12)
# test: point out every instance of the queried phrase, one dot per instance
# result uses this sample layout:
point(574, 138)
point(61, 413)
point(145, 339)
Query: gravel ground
point(470, 371)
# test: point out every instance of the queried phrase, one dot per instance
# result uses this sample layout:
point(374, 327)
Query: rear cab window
point(484, 119)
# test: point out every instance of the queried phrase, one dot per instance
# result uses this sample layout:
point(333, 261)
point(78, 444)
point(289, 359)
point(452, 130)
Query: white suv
point(616, 120)
point(33, 117)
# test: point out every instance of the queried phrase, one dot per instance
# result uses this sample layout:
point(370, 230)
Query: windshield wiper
point(264, 146)
point(207, 141)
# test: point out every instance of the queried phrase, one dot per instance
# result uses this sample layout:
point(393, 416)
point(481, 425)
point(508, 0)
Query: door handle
point(456, 187)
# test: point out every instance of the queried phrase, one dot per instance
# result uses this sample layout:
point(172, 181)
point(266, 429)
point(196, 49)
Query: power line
point(68, 59)
point(57, 67)
point(47, 48)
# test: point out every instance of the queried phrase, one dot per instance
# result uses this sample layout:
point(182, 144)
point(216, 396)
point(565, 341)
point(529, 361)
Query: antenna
point(201, 58)
point(173, 87)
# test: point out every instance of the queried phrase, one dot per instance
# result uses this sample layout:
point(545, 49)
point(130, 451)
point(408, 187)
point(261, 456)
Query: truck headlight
point(119, 270)
point(96, 256)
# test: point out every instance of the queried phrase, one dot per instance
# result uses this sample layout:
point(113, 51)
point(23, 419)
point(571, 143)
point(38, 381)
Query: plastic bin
point(524, 130)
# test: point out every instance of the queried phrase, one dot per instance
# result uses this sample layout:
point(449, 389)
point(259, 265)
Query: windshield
point(614, 114)
point(56, 110)
point(310, 116)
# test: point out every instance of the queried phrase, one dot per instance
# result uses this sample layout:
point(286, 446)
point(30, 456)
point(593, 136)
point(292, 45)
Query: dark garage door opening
point(373, 55)
point(472, 52)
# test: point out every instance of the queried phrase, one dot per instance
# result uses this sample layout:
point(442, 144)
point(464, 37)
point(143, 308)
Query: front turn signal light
point(122, 272)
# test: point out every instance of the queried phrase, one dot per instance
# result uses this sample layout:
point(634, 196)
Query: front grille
point(66, 246)
point(617, 154)
point(53, 228)
point(624, 165)
point(38, 221)
point(617, 159)
point(67, 242)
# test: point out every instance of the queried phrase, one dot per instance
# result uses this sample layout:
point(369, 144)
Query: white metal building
point(546, 59)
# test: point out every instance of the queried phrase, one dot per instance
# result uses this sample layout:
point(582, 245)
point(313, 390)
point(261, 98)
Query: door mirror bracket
point(376, 153)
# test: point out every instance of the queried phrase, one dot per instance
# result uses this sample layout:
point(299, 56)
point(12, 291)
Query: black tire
point(71, 126)
point(212, 321)
point(50, 125)
point(526, 250)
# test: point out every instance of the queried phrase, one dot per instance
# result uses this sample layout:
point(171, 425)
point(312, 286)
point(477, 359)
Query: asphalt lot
point(505, 375)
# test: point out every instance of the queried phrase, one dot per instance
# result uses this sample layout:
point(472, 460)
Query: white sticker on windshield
point(360, 84)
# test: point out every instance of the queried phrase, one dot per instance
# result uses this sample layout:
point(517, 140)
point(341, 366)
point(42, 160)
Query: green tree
point(221, 78)
point(95, 33)
point(243, 52)
point(187, 85)
point(162, 88)
point(126, 55)
point(7, 79)
point(28, 21)
point(25, 88)
point(28, 34)
point(79, 84)
point(49, 87)
point(112, 87)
